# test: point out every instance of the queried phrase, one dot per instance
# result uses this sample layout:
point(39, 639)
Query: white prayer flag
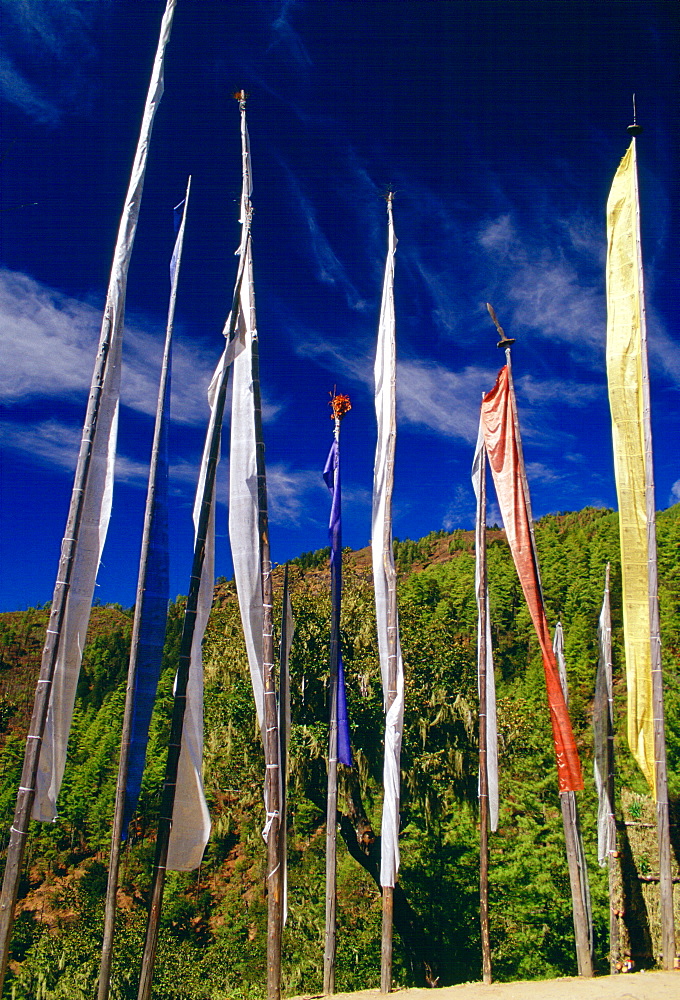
point(99, 486)
point(491, 722)
point(384, 573)
point(244, 512)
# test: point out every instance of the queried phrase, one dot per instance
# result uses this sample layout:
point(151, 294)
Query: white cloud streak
point(48, 347)
point(287, 37)
point(329, 269)
point(55, 35)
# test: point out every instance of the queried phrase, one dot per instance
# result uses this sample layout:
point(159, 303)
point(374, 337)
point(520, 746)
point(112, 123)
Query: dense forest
point(213, 936)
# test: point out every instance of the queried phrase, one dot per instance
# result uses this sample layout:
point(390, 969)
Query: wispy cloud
point(286, 37)
point(16, 89)
point(537, 472)
point(540, 275)
point(49, 442)
point(288, 491)
point(546, 392)
point(440, 400)
point(329, 269)
point(53, 35)
point(45, 331)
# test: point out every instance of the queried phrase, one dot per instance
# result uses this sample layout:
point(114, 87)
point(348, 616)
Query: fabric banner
point(384, 574)
point(603, 733)
point(625, 332)
point(99, 487)
point(190, 818)
point(154, 584)
point(503, 447)
point(491, 721)
point(558, 650)
point(331, 475)
point(244, 512)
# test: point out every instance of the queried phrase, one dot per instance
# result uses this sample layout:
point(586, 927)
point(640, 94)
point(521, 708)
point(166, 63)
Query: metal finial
point(504, 341)
point(241, 97)
point(634, 129)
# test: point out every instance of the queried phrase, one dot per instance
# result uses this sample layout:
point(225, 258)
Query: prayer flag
point(491, 723)
point(154, 583)
point(331, 475)
point(504, 448)
point(98, 490)
point(244, 504)
point(626, 373)
point(603, 734)
point(384, 573)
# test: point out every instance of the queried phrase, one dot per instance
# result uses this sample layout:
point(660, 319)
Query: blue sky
point(499, 124)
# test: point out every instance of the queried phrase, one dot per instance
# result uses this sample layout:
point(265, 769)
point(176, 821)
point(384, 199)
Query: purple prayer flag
point(331, 475)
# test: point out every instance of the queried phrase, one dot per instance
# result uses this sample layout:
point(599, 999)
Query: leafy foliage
point(213, 935)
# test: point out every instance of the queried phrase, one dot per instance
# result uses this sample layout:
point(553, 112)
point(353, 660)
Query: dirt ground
point(632, 986)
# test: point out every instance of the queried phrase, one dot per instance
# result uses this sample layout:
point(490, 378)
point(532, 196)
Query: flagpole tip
point(634, 129)
point(504, 341)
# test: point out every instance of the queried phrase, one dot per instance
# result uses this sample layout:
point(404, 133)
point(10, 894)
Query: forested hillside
point(213, 938)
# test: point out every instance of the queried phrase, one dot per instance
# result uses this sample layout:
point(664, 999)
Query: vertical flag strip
point(503, 447)
point(153, 589)
point(331, 475)
point(603, 734)
point(558, 650)
point(244, 512)
point(384, 573)
point(190, 818)
point(149, 624)
point(625, 336)
point(96, 511)
point(570, 805)
point(491, 722)
point(99, 445)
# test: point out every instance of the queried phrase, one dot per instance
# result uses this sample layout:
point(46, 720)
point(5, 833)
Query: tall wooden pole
point(483, 771)
point(577, 873)
point(271, 747)
point(149, 514)
point(271, 726)
point(662, 809)
point(111, 327)
point(287, 627)
point(179, 704)
point(332, 789)
point(610, 776)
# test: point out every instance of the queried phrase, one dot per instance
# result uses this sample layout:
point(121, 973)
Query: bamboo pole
point(271, 732)
point(577, 873)
point(661, 789)
point(271, 748)
point(483, 772)
point(332, 787)
point(149, 515)
point(284, 729)
point(179, 705)
point(111, 326)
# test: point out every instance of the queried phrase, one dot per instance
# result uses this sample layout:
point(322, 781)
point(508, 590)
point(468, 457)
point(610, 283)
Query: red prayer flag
point(505, 458)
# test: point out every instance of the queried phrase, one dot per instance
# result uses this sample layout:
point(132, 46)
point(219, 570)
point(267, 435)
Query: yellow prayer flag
point(625, 372)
